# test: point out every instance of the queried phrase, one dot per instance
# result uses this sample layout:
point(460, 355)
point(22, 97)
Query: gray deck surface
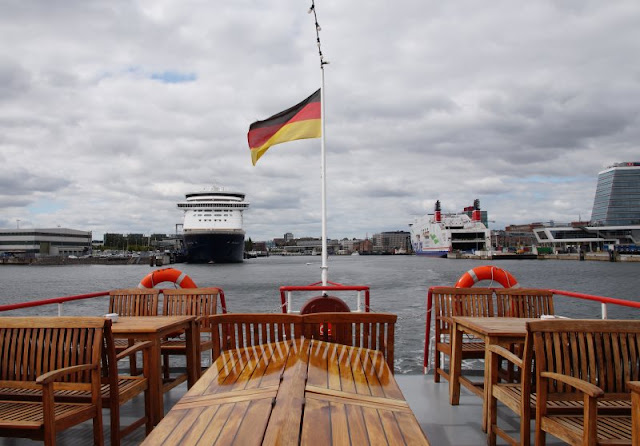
point(444, 425)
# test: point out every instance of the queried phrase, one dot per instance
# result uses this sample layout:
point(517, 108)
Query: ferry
point(443, 423)
point(439, 234)
point(213, 225)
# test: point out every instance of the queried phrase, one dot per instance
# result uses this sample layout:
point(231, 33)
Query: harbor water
point(398, 285)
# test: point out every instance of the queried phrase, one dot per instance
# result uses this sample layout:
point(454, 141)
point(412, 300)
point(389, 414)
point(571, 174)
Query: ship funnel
point(475, 216)
point(438, 214)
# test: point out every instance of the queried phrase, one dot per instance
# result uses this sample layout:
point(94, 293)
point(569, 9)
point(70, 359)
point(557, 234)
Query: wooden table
point(493, 330)
point(154, 328)
point(293, 392)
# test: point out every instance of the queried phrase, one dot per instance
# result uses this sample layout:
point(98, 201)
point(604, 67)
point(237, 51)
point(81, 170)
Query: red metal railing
point(62, 300)
point(602, 299)
point(285, 293)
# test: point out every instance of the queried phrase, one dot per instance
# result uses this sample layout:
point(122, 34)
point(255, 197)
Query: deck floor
point(444, 425)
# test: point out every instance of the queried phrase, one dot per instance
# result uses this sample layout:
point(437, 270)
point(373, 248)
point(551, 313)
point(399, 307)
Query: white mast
point(324, 268)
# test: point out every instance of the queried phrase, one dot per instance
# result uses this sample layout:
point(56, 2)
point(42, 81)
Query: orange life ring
point(479, 273)
point(167, 275)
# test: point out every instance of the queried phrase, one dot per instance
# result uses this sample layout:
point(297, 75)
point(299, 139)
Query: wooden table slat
point(318, 392)
point(293, 392)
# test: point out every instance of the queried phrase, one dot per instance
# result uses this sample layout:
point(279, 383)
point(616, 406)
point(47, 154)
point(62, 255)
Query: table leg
point(455, 365)
point(155, 380)
point(193, 350)
point(487, 383)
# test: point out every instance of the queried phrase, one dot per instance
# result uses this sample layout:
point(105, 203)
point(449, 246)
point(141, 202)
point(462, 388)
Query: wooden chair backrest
point(605, 353)
point(199, 302)
point(451, 301)
point(524, 302)
point(32, 346)
point(374, 331)
point(134, 302)
point(237, 330)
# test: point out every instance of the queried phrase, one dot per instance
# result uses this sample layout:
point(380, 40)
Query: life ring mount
point(167, 275)
point(493, 273)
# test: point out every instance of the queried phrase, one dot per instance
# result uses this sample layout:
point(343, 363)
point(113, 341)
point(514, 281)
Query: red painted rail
point(602, 299)
point(54, 300)
point(323, 288)
point(61, 300)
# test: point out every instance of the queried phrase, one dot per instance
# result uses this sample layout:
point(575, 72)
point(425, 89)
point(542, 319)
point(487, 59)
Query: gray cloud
point(111, 112)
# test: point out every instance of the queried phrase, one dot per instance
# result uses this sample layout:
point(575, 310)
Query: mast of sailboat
point(324, 268)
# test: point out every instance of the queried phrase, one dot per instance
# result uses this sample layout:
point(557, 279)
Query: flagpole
point(324, 269)
point(323, 174)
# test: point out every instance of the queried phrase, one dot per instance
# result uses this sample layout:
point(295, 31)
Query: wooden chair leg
point(165, 367)
point(436, 365)
point(114, 421)
point(98, 439)
point(133, 368)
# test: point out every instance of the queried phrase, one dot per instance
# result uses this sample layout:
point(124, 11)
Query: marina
point(399, 285)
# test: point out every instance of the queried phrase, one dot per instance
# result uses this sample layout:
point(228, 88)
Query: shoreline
point(62, 261)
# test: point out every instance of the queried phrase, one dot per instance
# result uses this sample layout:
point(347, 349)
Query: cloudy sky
point(110, 111)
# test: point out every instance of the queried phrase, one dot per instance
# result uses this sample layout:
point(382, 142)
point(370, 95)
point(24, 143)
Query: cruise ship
point(438, 234)
point(212, 226)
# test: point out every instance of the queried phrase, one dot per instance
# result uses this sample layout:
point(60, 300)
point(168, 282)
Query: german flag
point(302, 121)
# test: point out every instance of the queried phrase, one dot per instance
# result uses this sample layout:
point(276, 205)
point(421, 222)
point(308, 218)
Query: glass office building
point(617, 199)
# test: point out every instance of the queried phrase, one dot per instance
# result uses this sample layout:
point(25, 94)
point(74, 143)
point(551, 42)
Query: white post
point(323, 173)
point(604, 311)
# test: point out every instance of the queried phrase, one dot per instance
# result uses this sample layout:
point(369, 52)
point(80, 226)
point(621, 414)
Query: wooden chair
point(451, 302)
point(635, 411)
point(133, 302)
point(524, 302)
point(588, 361)
point(200, 302)
point(235, 330)
point(50, 354)
point(520, 397)
point(116, 389)
point(374, 331)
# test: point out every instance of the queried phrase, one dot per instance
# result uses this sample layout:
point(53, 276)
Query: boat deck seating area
point(479, 302)
point(200, 302)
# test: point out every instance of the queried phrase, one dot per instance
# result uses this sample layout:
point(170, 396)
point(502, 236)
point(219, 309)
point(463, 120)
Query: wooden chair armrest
point(506, 354)
point(138, 346)
point(634, 386)
point(590, 389)
point(54, 375)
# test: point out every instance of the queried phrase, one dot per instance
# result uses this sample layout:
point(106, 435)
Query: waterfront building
point(617, 199)
point(44, 242)
point(615, 218)
point(392, 242)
